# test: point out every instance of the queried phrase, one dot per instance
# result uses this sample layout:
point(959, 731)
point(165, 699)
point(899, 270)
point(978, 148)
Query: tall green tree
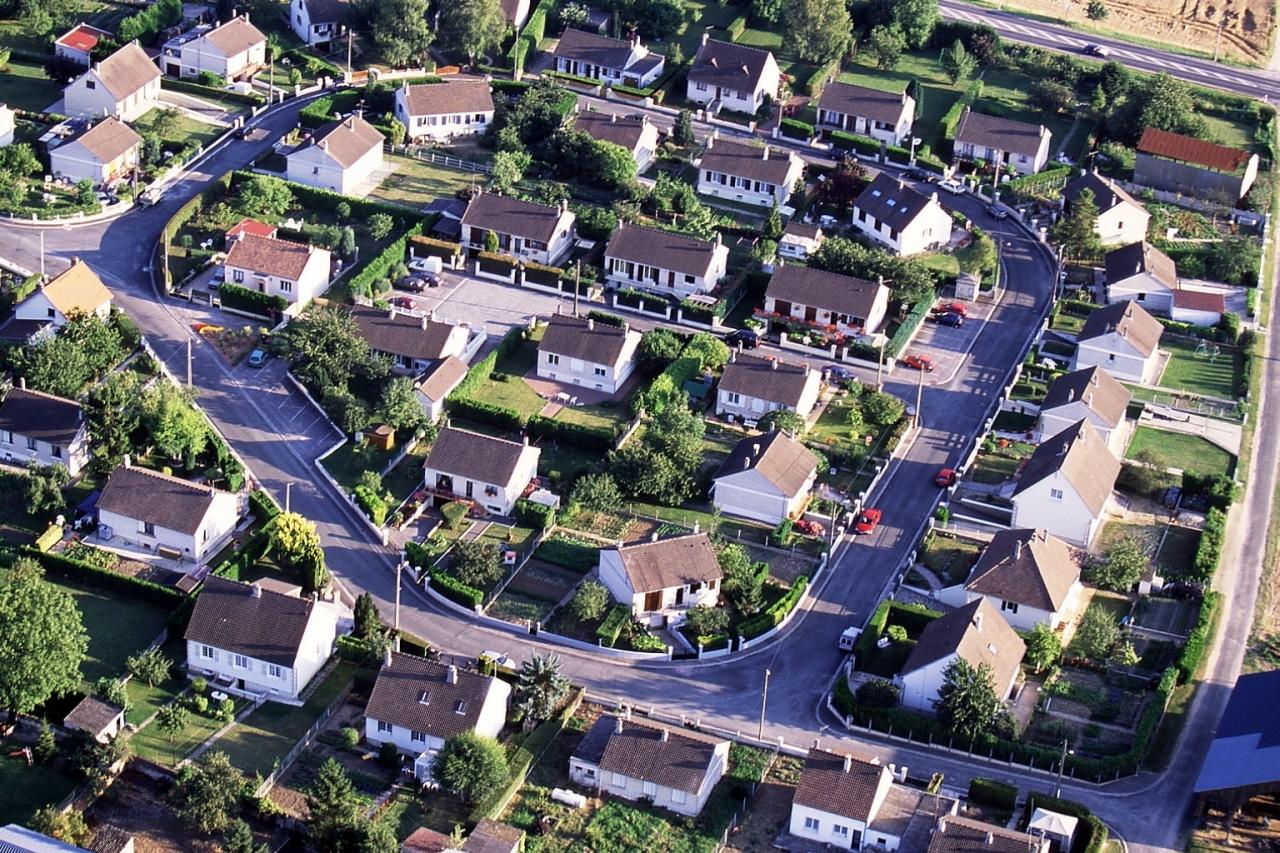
point(325, 347)
point(473, 27)
point(332, 806)
point(402, 32)
point(400, 407)
point(1098, 633)
point(817, 31)
point(540, 688)
point(470, 765)
point(172, 719)
point(967, 702)
point(44, 489)
point(917, 20)
point(177, 427)
point(1077, 232)
point(42, 639)
point(367, 620)
point(264, 196)
point(476, 563)
point(207, 793)
point(886, 44)
point(1122, 565)
point(296, 542)
point(598, 492)
point(1044, 648)
point(239, 839)
point(958, 62)
point(682, 133)
point(111, 412)
point(743, 580)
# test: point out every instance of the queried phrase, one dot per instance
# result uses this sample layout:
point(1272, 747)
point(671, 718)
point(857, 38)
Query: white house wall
point(1067, 517)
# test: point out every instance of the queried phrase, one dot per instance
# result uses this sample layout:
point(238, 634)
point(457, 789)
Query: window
point(650, 789)
point(31, 443)
point(384, 728)
point(552, 358)
point(237, 275)
point(56, 449)
point(424, 698)
point(1142, 297)
point(275, 670)
point(618, 780)
point(491, 491)
point(146, 528)
point(8, 436)
point(208, 653)
point(812, 824)
point(241, 662)
point(286, 286)
point(1111, 356)
point(417, 737)
point(90, 84)
point(701, 87)
point(460, 707)
point(690, 279)
point(470, 489)
point(733, 398)
point(678, 796)
point(53, 314)
point(1055, 494)
point(600, 371)
point(839, 830)
point(1009, 606)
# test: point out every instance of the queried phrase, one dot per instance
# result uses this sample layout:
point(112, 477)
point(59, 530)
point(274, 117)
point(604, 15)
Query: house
point(1015, 146)
point(442, 111)
point(1055, 827)
point(43, 429)
point(8, 125)
point(125, 85)
point(631, 758)
point(955, 834)
point(491, 836)
point(633, 132)
point(418, 704)
point(100, 720)
point(1243, 760)
point(424, 840)
point(1065, 486)
point(516, 12)
point(101, 153)
point(1121, 218)
point(663, 261)
point(536, 232)
point(341, 156)
point(235, 50)
point(760, 175)
point(813, 297)
point(731, 76)
point(77, 43)
point(250, 640)
point(75, 291)
point(318, 22)
point(978, 634)
point(767, 478)
point(884, 116)
point(1123, 338)
point(850, 803)
point(1183, 164)
point(245, 227)
point(298, 272)
point(1142, 273)
point(799, 241)
point(659, 576)
point(1029, 575)
point(414, 343)
point(19, 839)
point(586, 353)
point(492, 472)
point(894, 215)
point(1199, 307)
point(157, 512)
point(751, 387)
point(609, 60)
point(1092, 394)
point(437, 383)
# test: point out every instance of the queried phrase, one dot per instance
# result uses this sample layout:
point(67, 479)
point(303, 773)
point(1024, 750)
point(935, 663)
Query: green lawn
point(700, 16)
point(1179, 450)
point(1200, 373)
point(271, 731)
point(949, 558)
point(941, 262)
point(605, 417)
point(403, 479)
point(349, 461)
point(145, 701)
point(150, 743)
point(417, 182)
point(512, 391)
point(996, 466)
point(24, 86)
point(27, 788)
point(118, 627)
point(182, 128)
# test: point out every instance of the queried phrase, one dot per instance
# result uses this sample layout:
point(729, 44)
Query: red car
point(809, 528)
point(919, 362)
point(403, 302)
point(946, 478)
point(867, 521)
point(952, 308)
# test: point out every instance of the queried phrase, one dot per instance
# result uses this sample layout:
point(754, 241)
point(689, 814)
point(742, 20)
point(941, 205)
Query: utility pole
point(349, 35)
point(764, 702)
point(880, 368)
point(399, 568)
point(1062, 763)
point(577, 284)
point(42, 253)
point(919, 396)
point(288, 494)
point(189, 361)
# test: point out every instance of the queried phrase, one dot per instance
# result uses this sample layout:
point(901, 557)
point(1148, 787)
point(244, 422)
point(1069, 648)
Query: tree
point(540, 688)
point(1044, 648)
point(111, 413)
point(958, 63)
point(295, 540)
point(590, 601)
point(1077, 232)
point(172, 719)
point(711, 352)
point(1167, 104)
point(707, 621)
point(766, 11)
point(882, 408)
point(44, 489)
point(325, 347)
point(470, 765)
point(743, 580)
point(682, 133)
point(1098, 633)
point(1052, 96)
point(597, 492)
point(401, 30)
point(380, 225)
point(917, 20)
point(967, 702)
point(663, 463)
point(612, 166)
point(177, 427)
point(332, 805)
point(239, 839)
point(1124, 654)
point(508, 169)
point(817, 31)
point(347, 242)
point(658, 348)
point(885, 44)
point(68, 826)
point(206, 795)
point(400, 407)
point(476, 563)
point(53, 365)
point(1122, 566)
point(398, 131)
point(659, 19)
point(112, 691)
point(46, 744)
point(844, 183)
point(367, 620)
point(1234, 260)
point(773, 224)
point(150, 667)
point(1097, 10)
point(878, 693)
point(473, 27)
point(980, 256)
point(42, 639)
point(261, 196)
point(785, 420)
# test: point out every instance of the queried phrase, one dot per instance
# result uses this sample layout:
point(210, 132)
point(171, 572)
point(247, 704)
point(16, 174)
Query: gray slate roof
point(680, 560)
point(860, 101)
point(892, 201)
point(659, 248)
point(1028, 567)
point(780, 459)
point(765, 379)
point(594, 48)
point(1000, 134)
point(648, 751)
point(1106, 192)
point(832, 291)
point(402, 334)
point(165, 501)
point(1141, 257)
point(756, 162)
point(416, 693)
point(506, 215)
point(462, 453)
point(976, 632)
point(623, 130)
point(585, 339)
point(44, 417)
point(1105, 395)
point(839, 783)
point(729, 65)
point(267, 626)
point(1083, 459)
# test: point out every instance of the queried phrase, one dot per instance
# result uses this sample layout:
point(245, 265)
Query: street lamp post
point(919, 397)
point(764, 702)
point(1062, 764)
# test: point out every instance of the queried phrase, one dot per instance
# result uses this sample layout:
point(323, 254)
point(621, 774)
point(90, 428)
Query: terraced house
point(442, 111)
point(884, 116)
point(731, 76)
point(663, 261)
point(537, 232)
point(608, 60)
point(759, 175)
point(1016, 146)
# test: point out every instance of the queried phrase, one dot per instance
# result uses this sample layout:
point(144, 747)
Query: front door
point(653, 600)
point(782, 307)
point(811, 314)
point(679, 596)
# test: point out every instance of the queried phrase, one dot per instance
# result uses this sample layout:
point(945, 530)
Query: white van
point(849, 638)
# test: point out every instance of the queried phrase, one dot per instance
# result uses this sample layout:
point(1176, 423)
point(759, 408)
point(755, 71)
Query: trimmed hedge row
point(1209, 551)
point(737, 27)
point(817, 81)
point(322, 109)
point(484, 413)
point(1040, 183)
point(379, 267)
point(575, 554)
point(354, 649)
point(1197, 640)
point(908, 328)
point(455, 590)
point(184, 214)
point(263, 505)
point(619, 617)
point(971, 93)
point(862, 144)
point(79, 571)
point(587, 437)
point(796, 129)
point(239, 298)
point(234, 566)
point(49, 538)
point(176, 85)
point(535, 515)
point(773, 616)
point(992, 793)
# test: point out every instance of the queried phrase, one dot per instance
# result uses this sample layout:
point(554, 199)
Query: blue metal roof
point(1246, 747)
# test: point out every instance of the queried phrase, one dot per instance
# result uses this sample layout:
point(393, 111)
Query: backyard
point(949, 557)
point(418, 182)
point(1183, 451)
point(176, 129)
point(999, 461)
point(24, 86)
point(154, 745)
point(27, 788)
point(118, 627)
point(1212, 370)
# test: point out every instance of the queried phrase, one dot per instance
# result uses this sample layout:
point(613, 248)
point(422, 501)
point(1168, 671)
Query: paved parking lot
point(495, 307)
point(948, 345)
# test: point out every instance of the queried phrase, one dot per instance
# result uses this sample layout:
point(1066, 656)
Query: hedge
point(737, 27)
point(571, 553)
point(321, 111)
point(49, 538)
point(992, 793)
point(908, 328)
point(234, 566)
point(586, 437)
point(418, 555)
point(971, 93)
point(573, 78)
point(479, 372)
point(79, 571)
point(776, 612)
point(262, 505)
point(455, 590)
point(354, 649)
point(514, 87)
point(541, 274)
point(494, 263)
point(372, 504)
point(1091, 833)
point(1053, 178)
point(863, 144)
point(431, 247)
point(606, 318)
point(239, 298)
point(479, 412)
point(184, 214)
point(618, 618)
point(673, 377)
point(1197, 640)
point(176, 85)
point(380, 266)
point(817, 81)
point(533, 514)
point(1209, 551)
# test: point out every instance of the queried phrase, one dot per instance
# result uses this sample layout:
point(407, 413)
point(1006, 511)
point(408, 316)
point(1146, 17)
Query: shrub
point(862, 144)
point(619, 617)
point(600, 439)
point(878, 693)
point(897, 633)
point(576, 554)
point(93, 576)
point(776, 612)
point(796, 129)
point(354, 649)
point(455, 590)
point(532, 514)
point(251, 301)
point(262, 505)
point(49, 538)
point(350, 737)
point(454, 513)
point(372, 504)
point(1209, 551)
point(989, 792)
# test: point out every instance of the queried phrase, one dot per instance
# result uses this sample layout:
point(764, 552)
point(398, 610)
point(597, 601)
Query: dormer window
point(460, 707)
point(424, 698)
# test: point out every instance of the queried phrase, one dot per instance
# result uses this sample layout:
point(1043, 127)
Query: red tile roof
point(250, 226)
point(1188, 149)
point(83, 37)
point(1199, 300)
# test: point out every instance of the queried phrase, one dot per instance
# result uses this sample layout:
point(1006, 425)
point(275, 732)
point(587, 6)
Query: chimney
point(255, 590)
point(451, 675)
point(665, 736)
point(746, 463)
point(1071, 395)
point(386, 656)
point(718, 242)
point(127, 461)
point(705, 36)
point(977, 619)
point(848, 763)
point(880, 280)
point(773, 363)
point(564, 205)
point(714, 64)
point(617, 725)
point(426, 321)
point(613, 118)
point(1017, 550)
point(391, 312)
point(745, 69)
point(990, 839)
point(653, 537)
point(764, 153)
point(755, 449)
point(815, 743)
point(591, 324)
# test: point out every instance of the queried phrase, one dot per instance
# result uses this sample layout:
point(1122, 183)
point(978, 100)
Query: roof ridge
point(738, 46)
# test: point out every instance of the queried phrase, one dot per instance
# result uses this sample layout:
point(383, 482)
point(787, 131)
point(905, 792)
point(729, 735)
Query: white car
point(427, 264)
point(953, 186)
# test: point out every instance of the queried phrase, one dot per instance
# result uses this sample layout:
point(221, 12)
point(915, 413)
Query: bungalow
point(884, 116)
point(414, 343)
point(767, 478)
point(731, 76)
point(850, 306)
point(799, 241)
point(77, 43)
point(1065, 486)
point(43, 429)
point(1090, 393)
point(318, 22)
point(1123, 338)
point(341, 156)
point(100, 720)
point(658, 577)
point(442, 111)
point(492, 472)
point(663, 261)
point(101, 153)
point(760, 175)
point(893, 214)
point(236, 50)
point(583, 352)
point(976, 633)
point(417, 704)
point(437, 383)
point(672, 768)
point(1015, 146)
point(634, 132)
point(1183, 164)
point(608, 60)
point(175, 518)
point(536, 232)
point(76, 290)
point(125, 85)
point(253, 641)
point(1142, 273)
point(299, 272)
point(1121, 217)
point(491, 836)
point(751, 387)
point(955, 834)
point(1029, 575)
